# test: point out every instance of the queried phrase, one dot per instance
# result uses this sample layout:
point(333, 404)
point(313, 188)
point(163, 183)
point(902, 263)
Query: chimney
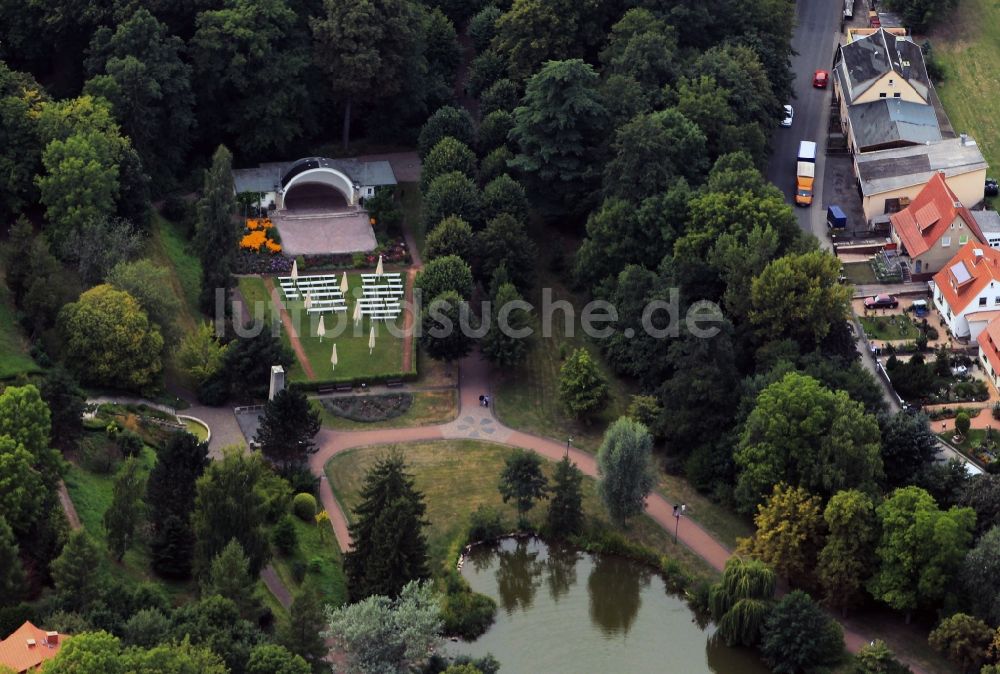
point(52, 638)
point(31, 644)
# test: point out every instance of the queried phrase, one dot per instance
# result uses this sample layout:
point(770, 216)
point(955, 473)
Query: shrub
point(316, 565)
point(674, 575)
point(300, 479)
point(298, 569)
point(465, 613)
point(446, 121)
point(284, 536)
point(494, 164)
point(483, 26)
point(485, 69)
point(493, 130)
point(996, 411)
point(503, 95)
point(486, 524)
point(962, 423)
point(368, 409)
point(304, 507)
point(99, 455)
point(129, 443)
point(447, 155)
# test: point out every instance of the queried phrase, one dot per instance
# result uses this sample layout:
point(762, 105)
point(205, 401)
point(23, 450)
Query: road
point(814, 41)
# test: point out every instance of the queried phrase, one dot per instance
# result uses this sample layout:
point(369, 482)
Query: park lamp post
point(679, 509)
point(569, 441)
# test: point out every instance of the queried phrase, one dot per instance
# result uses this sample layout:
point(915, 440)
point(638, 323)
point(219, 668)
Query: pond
point(563, 611)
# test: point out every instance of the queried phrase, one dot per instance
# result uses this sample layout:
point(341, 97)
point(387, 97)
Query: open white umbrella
point(333, 358)
point(378, 267)
point(321, 330)
point(309, 301)
point(371, 341)
point(357, 312)
point(295, 270)
point(343, 284)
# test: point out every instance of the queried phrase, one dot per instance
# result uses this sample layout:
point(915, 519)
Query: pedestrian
point(486, 401)
point(482, 399)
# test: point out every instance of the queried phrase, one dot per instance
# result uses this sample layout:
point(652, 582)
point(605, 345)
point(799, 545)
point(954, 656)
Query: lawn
point(859, 273)
point(714, 518)
point(318, 553)
point(966, 42)
point(427, 408)
point(410, 201)
point(14, 358)
point(91, 496)
point(894, 326)
point(169, 248)
point(973, 440)
point(354, 360)
point(456, 477)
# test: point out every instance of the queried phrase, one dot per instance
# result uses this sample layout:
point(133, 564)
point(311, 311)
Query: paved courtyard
point(316, 234)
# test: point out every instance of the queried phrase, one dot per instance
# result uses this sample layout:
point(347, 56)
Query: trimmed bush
point(284, 536)
point(304, 507)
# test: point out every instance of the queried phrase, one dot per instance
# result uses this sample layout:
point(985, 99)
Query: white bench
point(323, 310)
point(326, 293)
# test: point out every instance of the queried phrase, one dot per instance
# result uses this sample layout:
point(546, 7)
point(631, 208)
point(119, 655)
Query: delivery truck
point(805, 173)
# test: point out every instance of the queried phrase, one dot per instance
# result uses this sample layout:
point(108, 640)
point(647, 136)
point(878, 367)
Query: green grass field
point(895, 326)
point(457, 477)
point(966, 42)
point(91, 496)
point(354, 360)
point(317, 551)
point(410, 200)
point(169, 248)
point(428, 407)
point(859, 273)
point(14, 358)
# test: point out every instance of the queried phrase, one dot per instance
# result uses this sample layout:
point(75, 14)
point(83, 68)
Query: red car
point(820, 79)
point(881, 302)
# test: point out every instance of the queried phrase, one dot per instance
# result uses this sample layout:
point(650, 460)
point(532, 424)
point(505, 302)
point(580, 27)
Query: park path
point(479, 423)
point(276, 587)
point(409, 315)
point(67, 505)
point(293, 335)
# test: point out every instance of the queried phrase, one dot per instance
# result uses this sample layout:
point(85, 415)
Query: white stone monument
point(277, 381)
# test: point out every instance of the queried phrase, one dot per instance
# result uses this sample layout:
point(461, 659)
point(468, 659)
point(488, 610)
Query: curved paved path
point(479, 423)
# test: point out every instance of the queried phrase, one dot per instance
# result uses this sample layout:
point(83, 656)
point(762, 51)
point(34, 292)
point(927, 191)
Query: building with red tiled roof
point(989, 351)
point(967, 290)
point(28, 647)
point(933, 227)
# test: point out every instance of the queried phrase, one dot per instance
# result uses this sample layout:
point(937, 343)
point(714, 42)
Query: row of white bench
point(370, 291)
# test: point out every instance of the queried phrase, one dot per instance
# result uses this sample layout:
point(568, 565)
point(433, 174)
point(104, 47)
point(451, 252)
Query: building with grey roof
point(889, 123)
point(353, 178)
point(881, 65)
point(989, 223)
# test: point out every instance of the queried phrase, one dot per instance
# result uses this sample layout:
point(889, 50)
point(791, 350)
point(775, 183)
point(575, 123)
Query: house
point(890, 122)
point(989, 352)
point(932, 228)
point(989, 225)
point(879, 66)
point(888, 175)
point(352, 178)
point(967, 290)
point(28, 647)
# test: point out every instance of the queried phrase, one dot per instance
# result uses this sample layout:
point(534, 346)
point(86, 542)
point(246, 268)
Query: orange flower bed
point(254, 240)
point(254, 224)
point(257, 236)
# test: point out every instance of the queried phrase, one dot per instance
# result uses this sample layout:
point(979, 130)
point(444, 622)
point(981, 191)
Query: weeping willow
point(740, 600)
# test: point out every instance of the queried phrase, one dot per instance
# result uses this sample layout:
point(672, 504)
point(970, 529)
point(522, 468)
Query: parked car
point(959, 371)
point(920, 308)
point(789, 114)
point(881, 302)
point(821, 78)
point(991, 189)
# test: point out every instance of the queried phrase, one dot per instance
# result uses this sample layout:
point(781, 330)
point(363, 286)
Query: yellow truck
point(805, 173)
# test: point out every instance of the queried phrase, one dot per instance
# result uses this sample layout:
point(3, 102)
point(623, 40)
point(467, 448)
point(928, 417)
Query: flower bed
point(368, 409)
point(393, 252)
point(260, 249)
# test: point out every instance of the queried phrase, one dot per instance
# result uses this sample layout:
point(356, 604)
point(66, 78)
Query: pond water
point(563, 611)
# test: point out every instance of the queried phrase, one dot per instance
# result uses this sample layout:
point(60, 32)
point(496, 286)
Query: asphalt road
point(814, 41)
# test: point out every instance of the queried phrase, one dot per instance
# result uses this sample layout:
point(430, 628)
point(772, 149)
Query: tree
point(920, 550)
point(216, 236)
point(99, 244)
point(964, 640)
point(228, 505)
point(150, 285)
point(246, 365)
point(523, 482)
point(20, 147)
point(229, 577)
point(485, 69)
point(389, 545)
point(908, 445)
point(558, 130)
point(962, 424)
point(982, 494)
point(789, 533)
point(506, 242)
point(798, 636)
point(483, 26)
point(109, 341)
point(876, 658)
point(363, 49)
point(12, 579)
point(565, 516)
point(174, 658)
point(88, 652)
point(381, 634)
point(171, 489)
point(238, 51)
point(740, 601)
point(922, 14)
point(799, 296)
point(452, 194)
point(504, 344)
point(274, 659)
point(651, 151)
point(77, 572)
point(447, 156)
point(22, 491)
point(496, 125)
point(625, 469)
point(200, 353)
point(172, 548)
point(444, 274)
point(848, 557)
point(806, 435)
point(978, 567)
point(124, 515)
point(65, 401)
point(445, 327)
point(504, 195)
point(288, 428)
point(533, 33)
point(215, 623)
point(300, 633)
point(138, 68)
point(582, 387)
point(446, 122)
point(451, 236)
